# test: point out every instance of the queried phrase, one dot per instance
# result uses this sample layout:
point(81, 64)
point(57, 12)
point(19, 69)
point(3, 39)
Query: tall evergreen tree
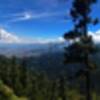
point(79, 52)
point(62, 87)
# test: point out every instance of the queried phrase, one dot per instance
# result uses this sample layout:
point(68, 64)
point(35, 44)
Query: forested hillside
point(23, 81)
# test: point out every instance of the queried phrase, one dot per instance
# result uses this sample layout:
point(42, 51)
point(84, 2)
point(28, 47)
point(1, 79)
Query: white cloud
point(21, 17)
point(96, 36)
point(61, 39)
point(48, 40)
point(7, 37)
point(33, 16)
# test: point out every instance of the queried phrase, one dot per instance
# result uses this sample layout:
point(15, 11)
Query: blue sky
point(39, 18)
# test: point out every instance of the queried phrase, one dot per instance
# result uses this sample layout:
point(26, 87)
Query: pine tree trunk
point(88, 80)
point(88, 86)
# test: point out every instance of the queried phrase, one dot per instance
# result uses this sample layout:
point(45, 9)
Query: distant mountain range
point(47, 57)
point(26, 50)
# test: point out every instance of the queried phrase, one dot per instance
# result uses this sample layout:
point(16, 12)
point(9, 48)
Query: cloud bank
point(7, 37)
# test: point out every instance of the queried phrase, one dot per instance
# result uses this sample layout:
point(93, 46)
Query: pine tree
point(24, 74)
point(82, 47)
point(54, 92)
point(62, 88)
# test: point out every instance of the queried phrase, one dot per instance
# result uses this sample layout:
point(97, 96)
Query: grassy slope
point(7, 93)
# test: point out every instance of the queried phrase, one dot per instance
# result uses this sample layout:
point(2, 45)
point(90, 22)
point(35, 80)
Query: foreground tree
point(82, 47)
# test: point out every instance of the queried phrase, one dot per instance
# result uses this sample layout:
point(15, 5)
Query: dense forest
point(19, 82)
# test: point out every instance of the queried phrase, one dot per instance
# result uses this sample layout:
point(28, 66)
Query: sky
point(31, 20)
